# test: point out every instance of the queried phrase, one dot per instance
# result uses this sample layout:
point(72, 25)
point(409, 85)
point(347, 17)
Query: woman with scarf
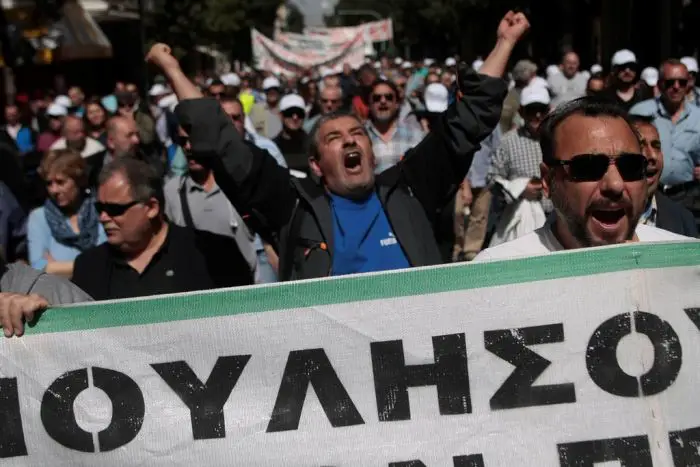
point(67, 224)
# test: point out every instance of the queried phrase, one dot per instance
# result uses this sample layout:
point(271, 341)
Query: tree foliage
point(226, 24)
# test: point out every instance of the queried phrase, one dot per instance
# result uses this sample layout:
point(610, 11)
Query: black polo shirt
point(178, 266)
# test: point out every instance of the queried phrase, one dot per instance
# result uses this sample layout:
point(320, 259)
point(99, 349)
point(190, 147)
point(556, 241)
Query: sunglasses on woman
point(593, 167)
point(114, 209)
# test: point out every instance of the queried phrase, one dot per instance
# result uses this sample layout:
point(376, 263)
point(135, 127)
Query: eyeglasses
point(627, 66)
point(592, 167)
point(669, 83)
point(114, 209)
point(236, 117)
point(378, 97)
point(291, 113)
point(217, 95)
point(536, 108)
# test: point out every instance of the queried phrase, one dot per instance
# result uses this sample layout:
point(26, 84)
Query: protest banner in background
point(374, 31)
point(308, 53)
point(565, 360)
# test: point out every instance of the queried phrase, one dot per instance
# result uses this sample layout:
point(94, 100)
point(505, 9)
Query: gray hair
point(143, 179)
point(312, 149)
point(524, 70)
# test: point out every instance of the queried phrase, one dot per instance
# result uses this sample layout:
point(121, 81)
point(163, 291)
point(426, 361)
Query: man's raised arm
point(435, 168)
point(249, 177)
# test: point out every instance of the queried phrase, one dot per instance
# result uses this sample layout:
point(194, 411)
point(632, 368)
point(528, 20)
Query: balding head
point(74, 132)
point(569, 64)
point(331, 99)
point(122, 136)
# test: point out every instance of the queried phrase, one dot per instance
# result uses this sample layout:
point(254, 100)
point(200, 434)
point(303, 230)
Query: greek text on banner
point(567, 360)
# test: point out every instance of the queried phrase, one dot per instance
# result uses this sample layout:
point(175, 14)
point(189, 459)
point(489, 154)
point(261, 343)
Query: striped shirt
point(388, 153)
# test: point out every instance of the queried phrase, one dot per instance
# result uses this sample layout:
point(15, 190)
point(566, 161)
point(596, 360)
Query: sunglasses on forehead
point(114, 209)
point(593, 167)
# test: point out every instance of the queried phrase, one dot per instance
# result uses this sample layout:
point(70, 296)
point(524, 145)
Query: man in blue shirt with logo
point(344, 219)
point(678, 123)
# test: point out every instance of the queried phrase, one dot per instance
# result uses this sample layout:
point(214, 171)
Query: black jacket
point(673, 217)
point(296, 214)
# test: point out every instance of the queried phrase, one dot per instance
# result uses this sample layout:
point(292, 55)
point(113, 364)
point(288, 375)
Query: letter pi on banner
point(572, 359)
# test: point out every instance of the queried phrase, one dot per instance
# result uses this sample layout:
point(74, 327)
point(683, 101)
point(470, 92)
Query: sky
point(313, 13)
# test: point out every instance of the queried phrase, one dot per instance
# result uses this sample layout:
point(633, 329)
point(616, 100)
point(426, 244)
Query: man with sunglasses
point(391, 137)
point(678, 123)
point(144, 254)
point(349, 221)
point(594, 172)
point(292, 140)
point(623, 89)
point(216, 89)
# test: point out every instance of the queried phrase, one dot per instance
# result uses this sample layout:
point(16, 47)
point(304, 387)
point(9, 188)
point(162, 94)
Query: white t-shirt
point(542, 241)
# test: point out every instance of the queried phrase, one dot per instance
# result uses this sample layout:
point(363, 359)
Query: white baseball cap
point(650, 75)
point(398, 61)
point(623, 56)
point(325, 72)
point(477, 64)
point(63, 101)
point(271, 83)
point(406, 65)
point(534, 95)
point(450, 61)
point(436, 97)
point(292, 101)
point(157, 90)
point(596, 69)
point(56, 110)
point(690, 63)
point(553, 70)
point(428, 61)
point(231, 79)
point(377, 65)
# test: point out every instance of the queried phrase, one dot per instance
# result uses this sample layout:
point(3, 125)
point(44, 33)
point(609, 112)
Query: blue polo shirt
point(680, 141)
point(363, 238)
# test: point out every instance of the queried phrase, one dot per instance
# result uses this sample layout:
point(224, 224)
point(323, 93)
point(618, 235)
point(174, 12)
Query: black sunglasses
point(593, 167)
point(669, 83)
point(236, 117)
point(292, 112)
point(114, 209)
point(378, 97)
point(627, 66)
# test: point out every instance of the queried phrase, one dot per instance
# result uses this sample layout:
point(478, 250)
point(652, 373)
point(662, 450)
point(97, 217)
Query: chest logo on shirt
point(390, 240)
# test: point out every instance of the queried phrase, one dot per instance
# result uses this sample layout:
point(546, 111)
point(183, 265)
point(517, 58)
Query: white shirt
point(92, 146)
point(542, 241)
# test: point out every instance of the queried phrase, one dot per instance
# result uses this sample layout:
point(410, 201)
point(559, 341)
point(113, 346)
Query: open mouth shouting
point(352, 160)
point(609, 219)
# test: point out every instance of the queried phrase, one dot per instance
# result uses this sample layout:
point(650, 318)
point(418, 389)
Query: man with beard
point(594, 172)
point(391, 137)
point(74, 137)
point(350, 221)
point(661, 211)
point(623, 88)
point(292, 140)
point(677, 122)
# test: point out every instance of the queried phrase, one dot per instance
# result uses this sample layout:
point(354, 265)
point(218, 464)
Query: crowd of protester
point(255, 178)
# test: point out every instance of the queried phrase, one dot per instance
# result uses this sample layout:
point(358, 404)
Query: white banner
point(293, 55)
point(375, 31)
point(566, 360)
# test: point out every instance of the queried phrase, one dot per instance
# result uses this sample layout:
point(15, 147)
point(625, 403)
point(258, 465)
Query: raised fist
point(513, 26)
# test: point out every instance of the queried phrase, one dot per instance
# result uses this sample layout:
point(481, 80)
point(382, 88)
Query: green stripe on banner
point(367, 287)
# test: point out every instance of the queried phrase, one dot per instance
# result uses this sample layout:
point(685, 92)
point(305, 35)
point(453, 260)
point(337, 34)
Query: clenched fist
point(161, 56)
point(15, 309)
point(513, 26)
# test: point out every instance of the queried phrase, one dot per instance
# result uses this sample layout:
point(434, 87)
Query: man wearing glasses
point(292, 140)
point(144, 254)
point(678, 123)
point(391, 137)
point(594, 172)
point(623, 88)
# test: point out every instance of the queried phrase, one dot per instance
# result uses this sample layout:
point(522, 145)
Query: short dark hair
point(641, 119)
point(312, 149)
point(230, 98)
point(216, 82)
point(589, 106)
point(386, 82)
point(144, 181)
